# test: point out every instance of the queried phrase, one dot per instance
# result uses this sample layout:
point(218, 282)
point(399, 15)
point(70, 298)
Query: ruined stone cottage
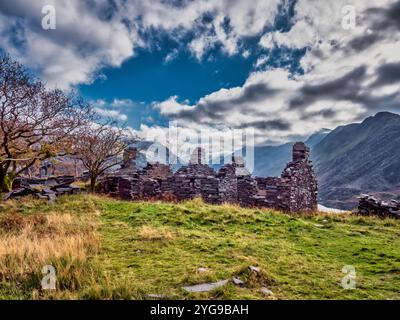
point(294, 191)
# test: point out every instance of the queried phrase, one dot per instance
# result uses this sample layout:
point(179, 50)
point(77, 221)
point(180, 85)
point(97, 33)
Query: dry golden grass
point(28, 242)
point(149, 233)
point(24, 254)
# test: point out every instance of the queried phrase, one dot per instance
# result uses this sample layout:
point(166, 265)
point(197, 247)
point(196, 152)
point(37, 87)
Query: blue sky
point(150, 76)
point(285, 68)
point(147, 77)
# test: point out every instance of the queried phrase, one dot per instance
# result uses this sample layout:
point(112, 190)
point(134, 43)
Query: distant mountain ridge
point(359, 158)
point(271, 160)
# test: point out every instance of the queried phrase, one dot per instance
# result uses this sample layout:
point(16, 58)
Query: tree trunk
point(2, 182)
point(93, 179)
point(5, 182)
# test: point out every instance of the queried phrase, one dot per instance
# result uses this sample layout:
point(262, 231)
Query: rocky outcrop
point(294, 191)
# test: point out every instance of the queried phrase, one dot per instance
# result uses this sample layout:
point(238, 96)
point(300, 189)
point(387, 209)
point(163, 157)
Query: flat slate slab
point(205, 287)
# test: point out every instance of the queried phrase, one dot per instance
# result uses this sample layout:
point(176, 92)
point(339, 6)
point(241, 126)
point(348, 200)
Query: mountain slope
point(359, 158)
point(271, 160)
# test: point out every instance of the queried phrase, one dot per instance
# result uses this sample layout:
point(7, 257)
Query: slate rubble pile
point(370, 206)
point(47, 189)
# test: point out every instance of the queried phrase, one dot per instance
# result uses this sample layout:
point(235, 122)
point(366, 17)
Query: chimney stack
point(300, 152)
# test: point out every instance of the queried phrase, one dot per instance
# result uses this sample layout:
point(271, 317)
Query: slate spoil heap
point(370, 206)
point(294, 191)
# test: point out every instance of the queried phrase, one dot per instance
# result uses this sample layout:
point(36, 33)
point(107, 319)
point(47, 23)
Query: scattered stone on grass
point(255, 269)
point(238, 282)
point(266, 291)
point(205, 287)
point(156, 296)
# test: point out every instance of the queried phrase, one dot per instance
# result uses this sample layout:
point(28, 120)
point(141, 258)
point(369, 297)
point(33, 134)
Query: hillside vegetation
point(109, 249)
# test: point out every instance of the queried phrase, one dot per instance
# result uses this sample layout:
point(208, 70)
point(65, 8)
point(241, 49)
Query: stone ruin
point(370, 206)
point(294, 191)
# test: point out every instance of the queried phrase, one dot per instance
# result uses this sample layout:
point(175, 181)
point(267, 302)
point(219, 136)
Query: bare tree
point(100, 147)
point(35, 123)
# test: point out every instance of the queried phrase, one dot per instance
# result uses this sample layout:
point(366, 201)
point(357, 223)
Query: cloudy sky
point(286, 68)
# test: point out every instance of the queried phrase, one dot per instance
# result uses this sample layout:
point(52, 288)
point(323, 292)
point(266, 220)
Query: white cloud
point(122, 103)
point(201, 45)
point(95, 34)
point(337, 86)
point(81, 44)
point(113, 109)
point(181, 141)
point(170, 106)
point(246, 54)
point(113, 114)
point(87, 39)
point(171, 56)
point(261, 61)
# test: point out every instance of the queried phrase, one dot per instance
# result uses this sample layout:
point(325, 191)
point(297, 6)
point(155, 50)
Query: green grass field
point(108, 249)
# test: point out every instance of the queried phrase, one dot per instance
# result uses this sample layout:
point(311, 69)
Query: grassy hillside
point(109, 249)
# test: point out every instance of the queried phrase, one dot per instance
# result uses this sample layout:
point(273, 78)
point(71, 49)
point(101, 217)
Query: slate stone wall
point(295, 191)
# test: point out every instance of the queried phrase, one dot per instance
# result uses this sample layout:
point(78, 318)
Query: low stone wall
point(294, 191)
point(370, 206)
